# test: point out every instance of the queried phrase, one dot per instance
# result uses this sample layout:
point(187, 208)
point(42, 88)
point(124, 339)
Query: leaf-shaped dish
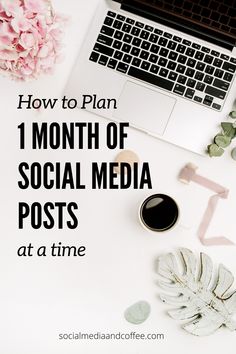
point(198, 296)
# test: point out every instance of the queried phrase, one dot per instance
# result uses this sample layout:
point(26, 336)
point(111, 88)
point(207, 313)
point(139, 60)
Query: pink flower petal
point(5, 41)
point(6, 30)
point(12, 8)
point(20, 24)
point(43, 52)
point(4, 16)
point(27, 40)
point(8, 55)
point(26, 70)
point(35, 6)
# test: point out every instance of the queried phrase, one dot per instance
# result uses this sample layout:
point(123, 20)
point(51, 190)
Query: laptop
point(168, 67)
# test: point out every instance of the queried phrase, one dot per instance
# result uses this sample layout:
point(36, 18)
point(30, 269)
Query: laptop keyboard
point(217, 14)
point(164, 60)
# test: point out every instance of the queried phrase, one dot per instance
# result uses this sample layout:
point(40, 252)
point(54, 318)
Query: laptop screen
point(214, 17)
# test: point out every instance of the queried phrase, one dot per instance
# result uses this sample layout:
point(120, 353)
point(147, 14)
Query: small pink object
point(188, 174)
point(30, 38)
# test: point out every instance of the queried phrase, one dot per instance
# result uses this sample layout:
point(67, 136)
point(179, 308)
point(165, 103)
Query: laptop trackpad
point(144, 108)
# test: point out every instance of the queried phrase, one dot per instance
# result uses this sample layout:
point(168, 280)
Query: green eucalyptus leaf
point(215, 151)
point(229, 129)
point(233, 114)
point(233, 154)
point(222, 140)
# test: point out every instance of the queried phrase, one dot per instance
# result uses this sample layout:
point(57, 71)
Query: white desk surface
point(41, 298)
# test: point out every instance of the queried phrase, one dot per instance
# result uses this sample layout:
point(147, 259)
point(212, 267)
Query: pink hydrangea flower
point(30, 38)
point(35, 6)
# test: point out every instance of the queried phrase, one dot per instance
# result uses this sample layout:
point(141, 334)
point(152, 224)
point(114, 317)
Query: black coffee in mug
point(159, 212)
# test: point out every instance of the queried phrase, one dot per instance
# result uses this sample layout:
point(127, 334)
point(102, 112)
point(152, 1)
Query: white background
point(41, 298)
